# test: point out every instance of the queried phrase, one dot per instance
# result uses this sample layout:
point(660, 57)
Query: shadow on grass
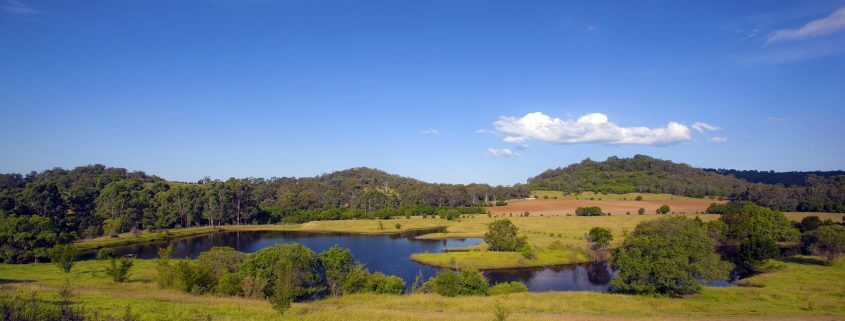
point(804, 260)
point(5, 281)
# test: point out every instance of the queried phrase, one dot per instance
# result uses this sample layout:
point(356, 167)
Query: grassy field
point(800, 290)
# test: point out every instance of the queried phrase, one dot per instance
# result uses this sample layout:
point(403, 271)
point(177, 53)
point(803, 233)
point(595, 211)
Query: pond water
point(389, 254)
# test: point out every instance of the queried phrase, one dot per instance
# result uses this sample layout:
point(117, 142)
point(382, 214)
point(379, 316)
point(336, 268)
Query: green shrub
point(253, 287)
point(118, 270)
point(472, 282)
point(357, 280)
point(588, 211)
point(502, 236)
point(446, 283)
point(507, 288)
point(105, 253)
point(387, 284)
point(221, 259)
point(63, 256)
point(302, 260)
point(229, 284)
point(195, 277)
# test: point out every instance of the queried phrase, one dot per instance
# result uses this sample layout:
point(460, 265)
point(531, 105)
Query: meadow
point(796, 289)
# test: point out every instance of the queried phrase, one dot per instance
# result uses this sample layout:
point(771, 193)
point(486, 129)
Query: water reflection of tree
point(598, 273)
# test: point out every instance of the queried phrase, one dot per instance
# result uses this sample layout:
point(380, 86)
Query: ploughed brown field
point(614, 207)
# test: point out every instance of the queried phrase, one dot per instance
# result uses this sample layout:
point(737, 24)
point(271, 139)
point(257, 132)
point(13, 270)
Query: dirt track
point(563, 207)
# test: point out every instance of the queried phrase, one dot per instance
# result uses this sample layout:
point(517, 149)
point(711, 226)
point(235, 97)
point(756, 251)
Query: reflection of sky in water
point(389, 255)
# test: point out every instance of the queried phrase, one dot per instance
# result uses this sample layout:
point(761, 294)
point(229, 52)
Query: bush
point(253, 287)
point(810, 223)
point(501, 203)
point(105, 253)
point(588, 211)
point(600, 237)
point(229, 284)
point(638, 198)
point(337, 262)
point(715, 208)
point(446, 283)
point(755, 250)
point(63, 256)
point(302, 260)
point(387, 284)
point(472, 282)
point(166, 272)
point(357, 280)
point(673, 255)
point(221, 259)
point(641, 211)
point(502, 236)
point(119, 269)
point(507, 288)
point(827, 241)
point(195, 278)
point(664, 209)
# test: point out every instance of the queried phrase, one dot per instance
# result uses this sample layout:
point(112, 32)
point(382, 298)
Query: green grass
point(797, 290)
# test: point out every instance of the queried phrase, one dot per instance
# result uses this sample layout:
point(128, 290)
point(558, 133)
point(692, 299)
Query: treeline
point(41, 209)
point(794, 178)
point(645, 174)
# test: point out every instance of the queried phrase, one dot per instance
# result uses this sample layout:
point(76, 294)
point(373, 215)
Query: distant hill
point(646, 174)
point(793, 178)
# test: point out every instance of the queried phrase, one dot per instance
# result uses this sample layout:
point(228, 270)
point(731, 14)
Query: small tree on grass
point(502, 236)
point(664, 209)
point(588, 211)
point(755, 250)
point(641, 211)
point(283, 288)
point(672, 255)
point(337, 263)
point(827, 241)
point(119, 269)
point(600, 238)
point(64, 256)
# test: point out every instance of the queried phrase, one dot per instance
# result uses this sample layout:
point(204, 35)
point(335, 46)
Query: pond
point(389, 254)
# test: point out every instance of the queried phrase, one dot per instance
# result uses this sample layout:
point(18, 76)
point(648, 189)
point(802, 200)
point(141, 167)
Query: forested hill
point(650, 175)
point(55, 206)
point(772, 177)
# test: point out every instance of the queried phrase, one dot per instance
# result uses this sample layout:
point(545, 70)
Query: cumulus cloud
point(501, 152)
point(430, 132)
point(590, 128)
point(702, 127)
point(717, 139)
point(816, 28)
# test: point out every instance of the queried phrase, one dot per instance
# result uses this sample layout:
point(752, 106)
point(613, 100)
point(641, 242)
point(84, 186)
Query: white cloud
point(590, 128)
point(702, 127)
point(816, 28)
point(482, 131)
point(502, 152)
point(515, 139)
point(18, 8)
point(430, 132)
point(717, 139)
point(774, 120)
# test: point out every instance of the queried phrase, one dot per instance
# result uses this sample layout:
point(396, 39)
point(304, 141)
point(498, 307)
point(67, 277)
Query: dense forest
point(793, 178)
point(40, 209)
point(649, 175)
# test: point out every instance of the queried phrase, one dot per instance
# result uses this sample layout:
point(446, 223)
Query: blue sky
point(445, 91)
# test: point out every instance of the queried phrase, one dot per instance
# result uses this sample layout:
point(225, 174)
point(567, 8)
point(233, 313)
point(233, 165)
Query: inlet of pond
point(389, 254)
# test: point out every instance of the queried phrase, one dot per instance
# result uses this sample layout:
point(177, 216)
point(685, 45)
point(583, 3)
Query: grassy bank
point(801, 290)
